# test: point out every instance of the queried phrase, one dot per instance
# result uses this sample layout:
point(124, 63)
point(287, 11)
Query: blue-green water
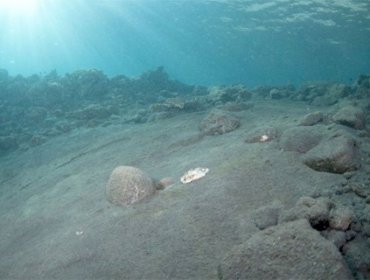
point(197, 42)
point(109, 107)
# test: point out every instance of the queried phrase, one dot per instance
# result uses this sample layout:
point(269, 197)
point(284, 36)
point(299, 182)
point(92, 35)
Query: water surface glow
point(207, 42)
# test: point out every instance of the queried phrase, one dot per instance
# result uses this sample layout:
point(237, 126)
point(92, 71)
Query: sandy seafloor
point(55, 221)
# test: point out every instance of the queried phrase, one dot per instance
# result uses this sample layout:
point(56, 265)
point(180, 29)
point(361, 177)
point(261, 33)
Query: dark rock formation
point(288, 251)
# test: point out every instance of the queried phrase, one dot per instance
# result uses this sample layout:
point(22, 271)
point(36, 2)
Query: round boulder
point(128, 185)
point(301, 138)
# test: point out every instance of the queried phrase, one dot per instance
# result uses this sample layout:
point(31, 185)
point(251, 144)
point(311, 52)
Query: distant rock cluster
point(304, 240)
point(34, 109)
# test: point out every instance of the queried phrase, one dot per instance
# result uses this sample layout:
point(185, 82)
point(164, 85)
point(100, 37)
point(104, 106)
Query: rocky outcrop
point(335, 155)
point(350, 116)
point(288, 251)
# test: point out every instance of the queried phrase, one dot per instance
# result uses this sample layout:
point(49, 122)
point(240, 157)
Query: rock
point(316, 211)
point(289, 251)
point(87, 84)
point(218, 122)
point(310, 91)
point(128, 185)
point(366, 230)
point(350, 116)
point(301, 138)
point(276, 94)
point(335, 155)
point(222, 95)
point(323, 94)
point(326, 100)
point(336, 236)
point(340, 218)
point(359, 189)
point(164, 183)
point(357, 255)
point(365, 220)
point(267, 216)
point(261, 134)
point(312, 119)
point(339, 91)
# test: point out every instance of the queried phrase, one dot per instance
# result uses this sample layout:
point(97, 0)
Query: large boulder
point(301, 138)
point(288, 251)
point(128, 185)
point(335, 155)
point(350, 116)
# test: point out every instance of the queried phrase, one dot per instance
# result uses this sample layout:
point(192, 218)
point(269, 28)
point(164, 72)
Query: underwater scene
point(184, 139)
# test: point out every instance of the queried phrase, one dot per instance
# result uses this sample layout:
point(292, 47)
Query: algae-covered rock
point(128, 185)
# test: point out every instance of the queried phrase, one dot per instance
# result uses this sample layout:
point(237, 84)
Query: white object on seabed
point(194, 174)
